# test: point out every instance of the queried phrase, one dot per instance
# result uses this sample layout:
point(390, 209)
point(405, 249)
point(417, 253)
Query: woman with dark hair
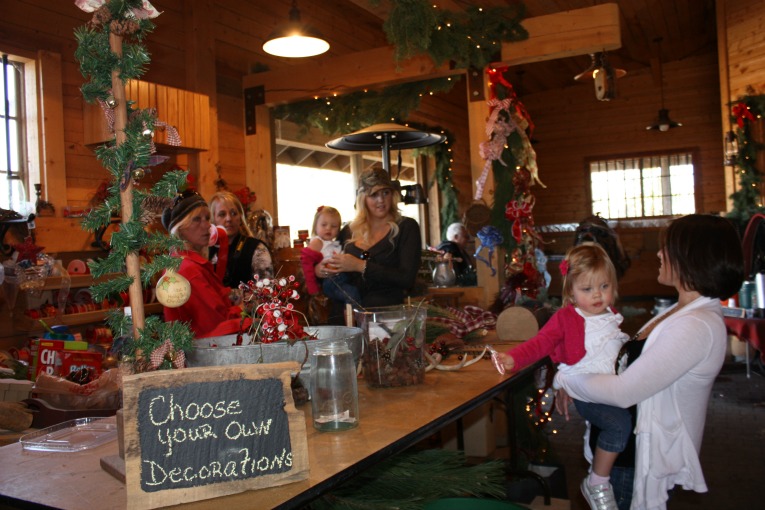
point(667, 369)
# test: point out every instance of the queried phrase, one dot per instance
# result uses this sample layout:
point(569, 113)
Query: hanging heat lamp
point(663, 122)
point(386, 137)
point(603, 75)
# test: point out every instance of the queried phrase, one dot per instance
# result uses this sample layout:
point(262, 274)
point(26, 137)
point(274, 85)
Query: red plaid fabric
point(177, 357)
point(466, 320)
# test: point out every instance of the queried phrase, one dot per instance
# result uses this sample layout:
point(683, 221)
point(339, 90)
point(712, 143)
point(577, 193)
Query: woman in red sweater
point(211, 309)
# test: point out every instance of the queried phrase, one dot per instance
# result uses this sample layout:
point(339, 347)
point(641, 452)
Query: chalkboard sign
point(205, 432)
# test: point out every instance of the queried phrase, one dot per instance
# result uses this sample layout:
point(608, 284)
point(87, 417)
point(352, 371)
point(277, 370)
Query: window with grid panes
point(12, 137)
point(643, 186)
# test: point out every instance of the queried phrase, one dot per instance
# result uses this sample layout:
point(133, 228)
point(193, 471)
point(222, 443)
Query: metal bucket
point(221, 350)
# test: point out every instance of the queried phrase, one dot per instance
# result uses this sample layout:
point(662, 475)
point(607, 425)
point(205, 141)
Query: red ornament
point(28, 250)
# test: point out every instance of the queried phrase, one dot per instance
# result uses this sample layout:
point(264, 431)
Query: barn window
point(644, 186)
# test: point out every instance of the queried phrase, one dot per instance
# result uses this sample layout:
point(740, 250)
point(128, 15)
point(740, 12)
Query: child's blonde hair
point(584, 259)
point(324, 209)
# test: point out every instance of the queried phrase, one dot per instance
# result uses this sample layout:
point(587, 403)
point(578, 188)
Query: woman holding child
point(671, 364)
point(382, 249)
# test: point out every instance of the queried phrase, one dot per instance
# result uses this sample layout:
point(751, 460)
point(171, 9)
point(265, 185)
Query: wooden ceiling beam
point(554, 36)
point(566, 34)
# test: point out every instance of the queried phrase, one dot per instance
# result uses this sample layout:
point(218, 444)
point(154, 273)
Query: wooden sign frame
point(201, 433)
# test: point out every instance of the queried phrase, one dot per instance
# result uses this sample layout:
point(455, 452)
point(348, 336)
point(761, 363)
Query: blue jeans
point(615, 424)
point(339, 288)
point(622, 480)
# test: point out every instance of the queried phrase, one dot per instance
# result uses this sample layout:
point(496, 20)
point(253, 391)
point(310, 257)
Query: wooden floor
point(732, 451)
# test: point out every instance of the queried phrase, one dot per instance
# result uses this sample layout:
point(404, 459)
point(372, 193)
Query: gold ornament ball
point(138, 174)
point(173, 290)
point(111, 102)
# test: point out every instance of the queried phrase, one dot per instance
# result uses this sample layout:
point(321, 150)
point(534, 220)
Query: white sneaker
point(599, 497)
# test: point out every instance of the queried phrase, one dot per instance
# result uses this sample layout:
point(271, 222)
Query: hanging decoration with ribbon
point(489, 238)
point(167, 350)
point(517, 211)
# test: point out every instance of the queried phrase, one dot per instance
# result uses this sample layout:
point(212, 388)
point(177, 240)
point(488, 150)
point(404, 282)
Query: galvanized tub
point(225, 352)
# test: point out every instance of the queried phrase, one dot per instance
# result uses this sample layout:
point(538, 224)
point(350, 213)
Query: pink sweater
point(561, 338)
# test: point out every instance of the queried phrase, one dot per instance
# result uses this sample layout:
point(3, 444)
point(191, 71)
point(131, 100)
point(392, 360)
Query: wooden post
point(132, 263)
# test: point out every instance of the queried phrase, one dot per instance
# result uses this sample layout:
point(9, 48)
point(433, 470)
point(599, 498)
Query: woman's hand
point(342, 263)
point(562, 401)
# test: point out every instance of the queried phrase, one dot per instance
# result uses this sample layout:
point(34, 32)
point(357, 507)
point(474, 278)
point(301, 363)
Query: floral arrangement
point(246, 196)
point(267, 302)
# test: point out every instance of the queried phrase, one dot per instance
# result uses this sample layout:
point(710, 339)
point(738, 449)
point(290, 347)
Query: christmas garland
point(747, 200)
point(357, 110)
point(155, 344)
point(469, 38)
point(509, 154)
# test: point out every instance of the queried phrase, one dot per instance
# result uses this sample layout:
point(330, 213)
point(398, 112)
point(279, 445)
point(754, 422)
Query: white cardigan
point(671, 382)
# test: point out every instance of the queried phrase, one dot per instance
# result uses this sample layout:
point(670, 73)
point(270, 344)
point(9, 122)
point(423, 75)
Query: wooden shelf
point(29, 325)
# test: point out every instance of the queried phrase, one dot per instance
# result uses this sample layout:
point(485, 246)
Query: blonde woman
point(247, 256)
point(382, 249)
point(210, 307)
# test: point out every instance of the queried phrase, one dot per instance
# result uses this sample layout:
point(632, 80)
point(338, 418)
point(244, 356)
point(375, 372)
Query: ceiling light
point(663, 122)
point(295, 40)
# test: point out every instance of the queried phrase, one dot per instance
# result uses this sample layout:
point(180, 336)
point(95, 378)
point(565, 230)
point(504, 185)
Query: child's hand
point(507, 361)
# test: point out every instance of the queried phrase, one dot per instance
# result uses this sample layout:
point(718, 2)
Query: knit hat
point(183, 205)
point(374, 177)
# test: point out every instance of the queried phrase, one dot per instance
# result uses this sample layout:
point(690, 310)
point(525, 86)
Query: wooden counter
point(391, 420)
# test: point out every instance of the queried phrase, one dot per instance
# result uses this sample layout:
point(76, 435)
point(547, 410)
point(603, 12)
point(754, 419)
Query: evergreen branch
point(131, 237)
point(470, 38)
point(416, 478)
point(114, 262)
point(119, 323)
point(169, 184)
point(111, 287)
point(158, 264)
point(98, 217)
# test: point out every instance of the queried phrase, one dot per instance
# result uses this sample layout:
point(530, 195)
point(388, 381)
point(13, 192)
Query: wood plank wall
point(571, 124)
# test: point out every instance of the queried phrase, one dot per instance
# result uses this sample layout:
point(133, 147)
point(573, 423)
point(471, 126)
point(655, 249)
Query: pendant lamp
point(387, 137)
point(295, 39)
point(663, 122)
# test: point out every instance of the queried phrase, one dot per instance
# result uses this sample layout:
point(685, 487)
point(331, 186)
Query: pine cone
point(101, 16)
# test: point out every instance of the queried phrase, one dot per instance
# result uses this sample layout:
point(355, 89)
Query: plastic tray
point(71, 436)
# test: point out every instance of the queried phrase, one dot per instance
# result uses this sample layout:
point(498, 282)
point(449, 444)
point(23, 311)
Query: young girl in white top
point(323, 245)
point(584, 337)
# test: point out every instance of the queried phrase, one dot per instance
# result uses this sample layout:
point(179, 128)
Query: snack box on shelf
point(44, 354)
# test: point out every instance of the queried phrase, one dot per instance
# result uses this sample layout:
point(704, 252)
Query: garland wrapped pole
point(132, 263)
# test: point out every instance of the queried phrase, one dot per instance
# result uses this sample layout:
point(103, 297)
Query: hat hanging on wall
point(603, 75)
point(386, 137)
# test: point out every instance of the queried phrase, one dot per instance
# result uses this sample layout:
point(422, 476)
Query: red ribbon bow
point(741, 111)
point(516, 211)
point(177, 357)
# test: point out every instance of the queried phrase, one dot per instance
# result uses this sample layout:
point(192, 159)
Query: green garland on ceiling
point(746, 115)
point(469, 38)
point(348, 113)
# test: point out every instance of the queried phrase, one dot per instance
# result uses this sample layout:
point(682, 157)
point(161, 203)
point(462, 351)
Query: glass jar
point(334, 391)
point(394, 337)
